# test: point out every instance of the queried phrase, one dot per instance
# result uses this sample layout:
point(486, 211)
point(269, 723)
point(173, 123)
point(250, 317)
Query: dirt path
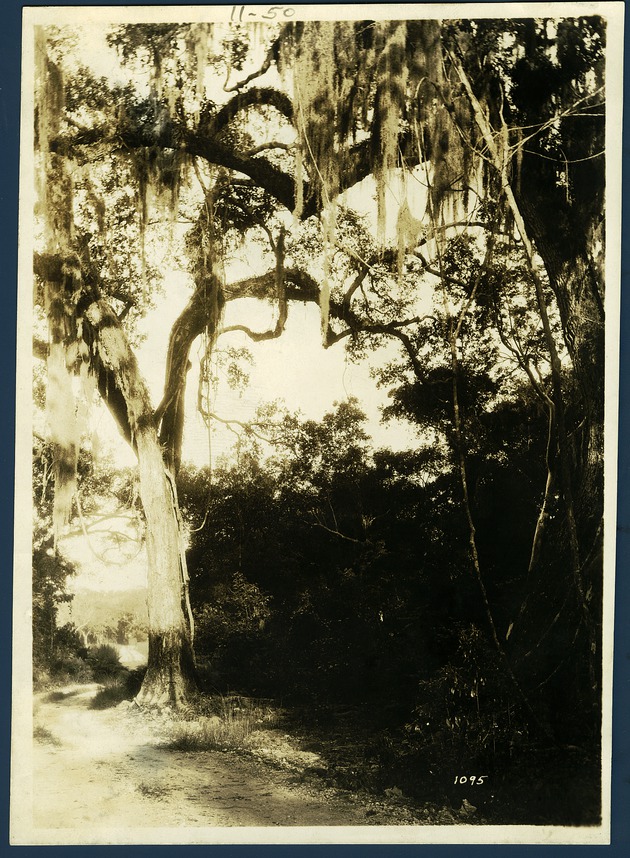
point(99, 769)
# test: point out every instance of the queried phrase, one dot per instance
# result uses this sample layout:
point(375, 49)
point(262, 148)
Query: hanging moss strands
point(61, 299)
point(49, 107)
point(55, 185)
point(56, 206)
point(315, 100)
point(327, 76)
point(382, 78)
point(441, 119)
point(388, 109)
point(159, 175)
point(198, 41)
point(61, 418)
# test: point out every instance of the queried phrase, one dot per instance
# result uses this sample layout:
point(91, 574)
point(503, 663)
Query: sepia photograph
point(316, 432)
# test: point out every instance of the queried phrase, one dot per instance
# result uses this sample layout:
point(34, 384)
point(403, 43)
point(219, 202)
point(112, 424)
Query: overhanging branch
point(205, 142)
point(271, 55)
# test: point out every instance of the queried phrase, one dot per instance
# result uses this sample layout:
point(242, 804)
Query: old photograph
point(316, 424)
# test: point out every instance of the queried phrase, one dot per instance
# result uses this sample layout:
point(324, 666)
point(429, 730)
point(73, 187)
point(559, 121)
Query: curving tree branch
point(254, 97)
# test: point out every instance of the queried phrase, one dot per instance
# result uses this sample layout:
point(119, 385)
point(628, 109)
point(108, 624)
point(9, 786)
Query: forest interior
point(404, 629)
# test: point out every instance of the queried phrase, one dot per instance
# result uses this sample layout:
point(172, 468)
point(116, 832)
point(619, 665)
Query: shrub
point(105, 662)
point(110, 695)
point(65, 662)
point(56, 696)
point(70, 667)
point(43, 734)
point(124, 686)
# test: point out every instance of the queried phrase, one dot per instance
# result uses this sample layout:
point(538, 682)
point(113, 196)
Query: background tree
point(58, 650)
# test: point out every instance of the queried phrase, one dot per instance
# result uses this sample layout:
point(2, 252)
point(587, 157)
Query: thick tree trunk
point(170, 675)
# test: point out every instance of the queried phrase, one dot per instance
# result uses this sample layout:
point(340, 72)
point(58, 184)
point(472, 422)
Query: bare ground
point(111, 768)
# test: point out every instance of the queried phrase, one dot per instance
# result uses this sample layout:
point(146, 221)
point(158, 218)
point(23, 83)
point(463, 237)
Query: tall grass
point(222, 723)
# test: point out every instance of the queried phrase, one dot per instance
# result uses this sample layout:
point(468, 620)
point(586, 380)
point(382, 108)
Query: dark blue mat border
point(10, 40)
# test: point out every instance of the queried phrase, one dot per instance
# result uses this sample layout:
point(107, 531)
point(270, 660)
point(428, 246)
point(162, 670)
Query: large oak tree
point(503, 122)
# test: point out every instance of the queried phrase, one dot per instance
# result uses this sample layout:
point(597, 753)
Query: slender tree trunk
point(576, 291)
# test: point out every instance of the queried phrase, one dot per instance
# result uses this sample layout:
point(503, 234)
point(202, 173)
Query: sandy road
point(106, 769)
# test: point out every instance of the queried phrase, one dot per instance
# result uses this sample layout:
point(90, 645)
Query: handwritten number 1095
point(471, 779)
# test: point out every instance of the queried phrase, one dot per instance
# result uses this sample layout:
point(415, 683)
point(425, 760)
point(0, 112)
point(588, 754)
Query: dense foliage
point(335, 576)
point(339, 573)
